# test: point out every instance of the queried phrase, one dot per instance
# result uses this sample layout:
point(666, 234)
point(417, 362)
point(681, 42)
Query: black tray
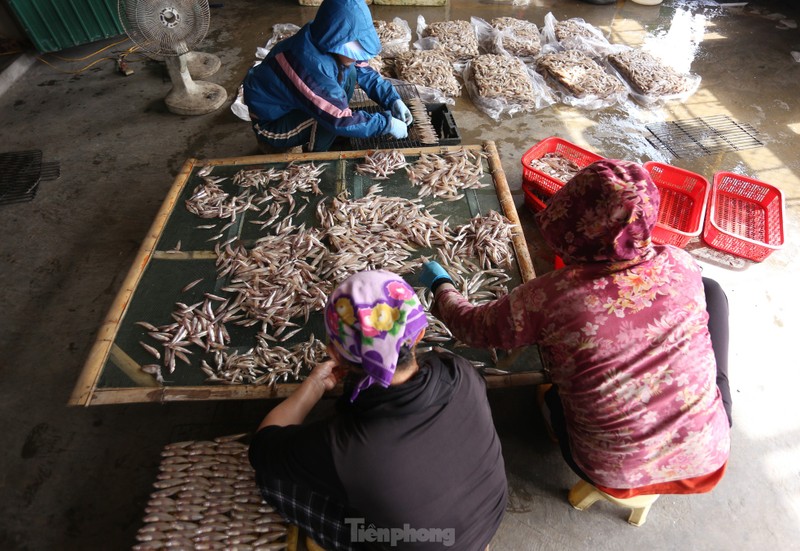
point(441, 118)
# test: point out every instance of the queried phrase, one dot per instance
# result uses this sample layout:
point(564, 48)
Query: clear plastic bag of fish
point(649, 79)
point(280, 31)
point(456, 38)
point(579, 81)
point(508, 36)
point(395, 36)
point(428, 68)
point(574, 34)
point(502, 85)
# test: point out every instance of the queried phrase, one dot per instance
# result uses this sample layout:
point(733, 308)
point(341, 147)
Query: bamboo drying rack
point(141, 387)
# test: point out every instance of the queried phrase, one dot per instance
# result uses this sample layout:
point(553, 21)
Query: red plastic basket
point(684, 196)
point(745, 217)
point(537, 185)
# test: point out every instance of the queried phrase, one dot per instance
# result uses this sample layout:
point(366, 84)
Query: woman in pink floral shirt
point(624, 330)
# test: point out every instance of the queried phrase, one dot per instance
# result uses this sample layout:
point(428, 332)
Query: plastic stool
point(583, 495)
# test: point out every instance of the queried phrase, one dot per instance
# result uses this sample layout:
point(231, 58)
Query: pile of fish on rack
point(276, 283)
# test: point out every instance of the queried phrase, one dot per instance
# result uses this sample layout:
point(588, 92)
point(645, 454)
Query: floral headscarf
point(368, 318)
point(605, 213)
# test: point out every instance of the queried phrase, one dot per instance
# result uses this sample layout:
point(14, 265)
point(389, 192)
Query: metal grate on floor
point(20, 172)
point(703, 136)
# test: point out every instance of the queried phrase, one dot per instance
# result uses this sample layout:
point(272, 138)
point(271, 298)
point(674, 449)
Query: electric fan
point(170, 28)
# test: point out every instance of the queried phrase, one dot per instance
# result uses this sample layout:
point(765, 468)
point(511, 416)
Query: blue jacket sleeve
point(377, 88)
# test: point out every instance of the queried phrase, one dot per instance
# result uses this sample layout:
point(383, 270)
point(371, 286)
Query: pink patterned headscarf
point(605, 213)
point(368, 318)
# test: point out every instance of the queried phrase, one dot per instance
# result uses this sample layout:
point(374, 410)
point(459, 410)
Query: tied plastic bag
point(457, 39)
point(575, 34)
point(508, 36)
point(649, 79)
point(280, 31)
point(580, 81)
point(502, 85)
point(395, 36)
point(430, 68)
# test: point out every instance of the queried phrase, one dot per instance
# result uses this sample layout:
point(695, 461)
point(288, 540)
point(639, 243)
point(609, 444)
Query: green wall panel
point(53, 25)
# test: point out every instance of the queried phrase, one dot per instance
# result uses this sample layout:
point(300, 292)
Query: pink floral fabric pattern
point(368, 318)
point(623, 329)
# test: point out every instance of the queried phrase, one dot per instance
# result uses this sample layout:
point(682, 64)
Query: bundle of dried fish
point(556, 165)
point(421, 129)
point(209, 200)
point(278, 278)
point(205, 497)
point(380, 164)
point(648, 75)
point(519, 37)
point(430, 68)
point(457, 38)
point(502, 77)
point(486, 237)
point(446, 176)
point(570, 29)
point(394, 36)
point(579, 74)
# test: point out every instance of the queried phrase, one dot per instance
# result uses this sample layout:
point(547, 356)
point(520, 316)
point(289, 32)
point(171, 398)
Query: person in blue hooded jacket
point(300, 93)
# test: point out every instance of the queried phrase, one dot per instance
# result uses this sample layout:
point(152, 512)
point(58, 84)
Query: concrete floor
point(78, 478)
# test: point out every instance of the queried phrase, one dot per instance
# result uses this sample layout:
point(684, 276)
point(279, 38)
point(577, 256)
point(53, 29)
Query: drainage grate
point(20, 174)
point(703, 136)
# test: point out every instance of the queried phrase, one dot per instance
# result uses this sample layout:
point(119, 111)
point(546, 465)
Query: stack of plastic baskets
point(538, 186)
point(745, 217)
point(684, 196)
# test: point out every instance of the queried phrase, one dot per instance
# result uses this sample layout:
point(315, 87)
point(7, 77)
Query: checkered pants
point(321, 517)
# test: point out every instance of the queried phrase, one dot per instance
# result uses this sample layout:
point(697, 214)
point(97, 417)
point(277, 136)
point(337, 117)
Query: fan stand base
point(189, 97)
point(205, 97)
point(202, 65)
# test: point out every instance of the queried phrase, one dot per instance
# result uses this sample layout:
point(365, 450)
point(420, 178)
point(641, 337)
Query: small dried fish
point(190, 285)
point(380, 164)
point(445, 176)
point(556, 165)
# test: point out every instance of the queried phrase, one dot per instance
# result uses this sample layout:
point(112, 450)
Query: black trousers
point(717, 307)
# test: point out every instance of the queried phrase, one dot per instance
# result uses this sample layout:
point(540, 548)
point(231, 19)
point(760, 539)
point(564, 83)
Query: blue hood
point(341, 21)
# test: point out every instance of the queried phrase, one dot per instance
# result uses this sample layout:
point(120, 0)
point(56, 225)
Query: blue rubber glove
point(433, 275)
point(400, 111)
point(398, 128)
